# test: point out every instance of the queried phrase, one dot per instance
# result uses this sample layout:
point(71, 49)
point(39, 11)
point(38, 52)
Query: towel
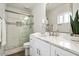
point(3, 42)
point(0, 31)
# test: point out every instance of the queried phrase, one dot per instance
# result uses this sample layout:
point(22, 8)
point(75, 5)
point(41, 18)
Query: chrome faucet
point(49, 28)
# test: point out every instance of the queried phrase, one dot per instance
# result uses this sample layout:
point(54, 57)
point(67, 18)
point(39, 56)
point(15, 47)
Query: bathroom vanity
point(52, 46)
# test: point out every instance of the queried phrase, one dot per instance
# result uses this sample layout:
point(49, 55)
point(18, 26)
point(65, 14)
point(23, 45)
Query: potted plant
point(75, 23)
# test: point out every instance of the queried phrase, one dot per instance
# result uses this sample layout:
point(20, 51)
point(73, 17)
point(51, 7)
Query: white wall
point(26, 12)
point(39, 13)
point(2, 10)
point(52, 17)
point(75, 8)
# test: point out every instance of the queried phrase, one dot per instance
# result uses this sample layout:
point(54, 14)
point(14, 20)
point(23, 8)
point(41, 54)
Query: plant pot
point(75, 37)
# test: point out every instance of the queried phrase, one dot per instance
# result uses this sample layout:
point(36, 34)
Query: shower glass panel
point(19, 28)
point(27, 29)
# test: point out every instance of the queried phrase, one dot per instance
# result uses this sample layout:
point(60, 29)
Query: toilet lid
point(26, 44)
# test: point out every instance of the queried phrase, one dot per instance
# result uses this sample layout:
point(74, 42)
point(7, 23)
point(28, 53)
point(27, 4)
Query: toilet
point(26, 47)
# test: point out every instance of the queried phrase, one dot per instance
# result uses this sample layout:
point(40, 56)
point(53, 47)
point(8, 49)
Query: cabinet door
point(53, 52)
point(32, 51)
point(33, 46)
point(62, 52)
point(43, 48)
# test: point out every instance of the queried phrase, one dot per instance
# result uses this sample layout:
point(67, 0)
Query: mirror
point(58, 15)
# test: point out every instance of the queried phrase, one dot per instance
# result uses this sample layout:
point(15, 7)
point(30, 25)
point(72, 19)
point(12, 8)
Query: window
point(63, 18)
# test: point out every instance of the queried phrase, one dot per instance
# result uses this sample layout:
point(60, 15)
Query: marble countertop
point(60, 42)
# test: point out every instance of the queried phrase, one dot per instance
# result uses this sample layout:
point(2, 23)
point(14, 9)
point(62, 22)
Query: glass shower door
point(19, 28)
point(27, 28)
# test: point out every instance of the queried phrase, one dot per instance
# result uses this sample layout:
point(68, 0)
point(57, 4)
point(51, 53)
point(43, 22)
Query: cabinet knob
point(57, 55)
point(39, 52)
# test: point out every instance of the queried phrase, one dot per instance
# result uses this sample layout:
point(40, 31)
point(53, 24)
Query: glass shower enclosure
point(19, 27)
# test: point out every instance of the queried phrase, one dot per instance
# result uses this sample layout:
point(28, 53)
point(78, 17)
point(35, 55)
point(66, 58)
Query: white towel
point(3, 32)
point(0, 30)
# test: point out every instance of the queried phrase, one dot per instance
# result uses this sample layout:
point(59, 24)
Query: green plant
point(75, 23)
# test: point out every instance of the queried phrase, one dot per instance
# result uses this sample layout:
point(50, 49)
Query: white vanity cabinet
point(39, 47)
point(42, 47)
point(56, 51)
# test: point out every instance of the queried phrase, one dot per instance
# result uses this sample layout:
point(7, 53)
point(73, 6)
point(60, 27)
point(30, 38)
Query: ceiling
point(22, 5)
point(49, 6)
point(52, 5)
